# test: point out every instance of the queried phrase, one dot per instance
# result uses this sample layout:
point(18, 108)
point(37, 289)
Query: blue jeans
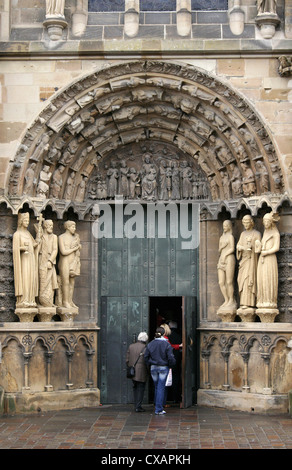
point(159, 376)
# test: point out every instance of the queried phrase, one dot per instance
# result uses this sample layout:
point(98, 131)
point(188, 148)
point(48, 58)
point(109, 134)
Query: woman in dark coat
point(141, 372)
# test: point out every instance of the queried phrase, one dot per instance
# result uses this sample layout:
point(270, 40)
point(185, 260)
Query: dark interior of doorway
point(163, 310)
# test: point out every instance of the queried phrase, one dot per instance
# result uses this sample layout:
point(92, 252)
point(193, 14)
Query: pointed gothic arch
point(173, 111)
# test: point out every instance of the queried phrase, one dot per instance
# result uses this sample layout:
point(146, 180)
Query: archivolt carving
point(121, 113)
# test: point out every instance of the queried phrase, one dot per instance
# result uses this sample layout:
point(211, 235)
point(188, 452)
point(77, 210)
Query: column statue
point(267, 272)
point(226, 268)
point(247, 272)
point(69, 268)
point(25, 269)
point(47, 254)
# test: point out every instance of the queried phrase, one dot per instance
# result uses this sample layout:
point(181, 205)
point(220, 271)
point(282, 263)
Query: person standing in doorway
point(135, 351)
point(159, 356)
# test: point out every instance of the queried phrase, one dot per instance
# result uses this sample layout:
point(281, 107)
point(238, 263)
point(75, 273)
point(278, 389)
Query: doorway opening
point(168, 310)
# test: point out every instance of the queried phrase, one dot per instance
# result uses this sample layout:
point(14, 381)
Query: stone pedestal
point(46, 314)
point(267, 22)
point(67, 313)
point(227, 313)
point(246, 314)
point(26, 314)
point(55, 27)
point(267, 315)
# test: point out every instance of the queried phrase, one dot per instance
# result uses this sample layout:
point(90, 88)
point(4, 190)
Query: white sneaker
point(161, 413)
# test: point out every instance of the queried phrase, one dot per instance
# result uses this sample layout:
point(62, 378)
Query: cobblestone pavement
point(119, 427)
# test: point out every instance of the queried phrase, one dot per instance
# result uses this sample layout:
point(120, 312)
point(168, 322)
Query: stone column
point(183, 17)
point(131, 18)
point(48, 387)
point(79, 18)
point(236, 18)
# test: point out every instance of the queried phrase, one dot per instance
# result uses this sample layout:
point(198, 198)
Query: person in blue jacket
point(159, 356)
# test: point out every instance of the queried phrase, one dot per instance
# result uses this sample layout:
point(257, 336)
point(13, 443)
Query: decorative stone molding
point(192, 112)
point(236, 18)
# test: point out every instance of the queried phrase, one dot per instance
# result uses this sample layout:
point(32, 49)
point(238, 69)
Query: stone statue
point(124, 180)
point(69, 262)
point(81, 189)
point(267, 272)
point(226, 268)
point(247, 272)
point(55, 8)
point(162, 178)
point(186, 183)
point(47, 253)
point(25, 264)
point(43, 187)
point(112, 186)
point(134, 183)
point(175, 181)
point(57, 182)
point(29, 179)
point(149, 182)
point(266, 6)
point(70, 186)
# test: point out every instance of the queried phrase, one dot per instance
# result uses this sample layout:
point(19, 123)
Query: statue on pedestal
point(24, 249)
point(69, 268)
point(226, 268)
point(47, 254)
point(267, 272)
point(247, 272)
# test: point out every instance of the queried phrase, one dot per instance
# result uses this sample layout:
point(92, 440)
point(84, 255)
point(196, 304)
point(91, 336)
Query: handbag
point(168, 382)
point(131, 369)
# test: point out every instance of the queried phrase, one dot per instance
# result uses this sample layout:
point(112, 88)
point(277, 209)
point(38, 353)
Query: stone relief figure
point(55, 8)
point(186, 184)
point(124, 180)
point(57, 182)
point(226, 268)
point(69, 262)
point(267, 271)
point(148, 183)
point(263, 176)
point(247, 272)
point(266, 6)
point(81, 189)
point(162, 178)
point(248, 181)
point(175, 181)
point(134, 184)
point(42, 146)
point(29, 179)
point(101, 188)
point(112, 175)
point(235, 179)
point(43, 187)
point(47, 254)
point(25, 264)
point(70, 186)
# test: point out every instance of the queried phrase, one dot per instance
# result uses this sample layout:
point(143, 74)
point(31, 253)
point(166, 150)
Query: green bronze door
point(131, 271)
